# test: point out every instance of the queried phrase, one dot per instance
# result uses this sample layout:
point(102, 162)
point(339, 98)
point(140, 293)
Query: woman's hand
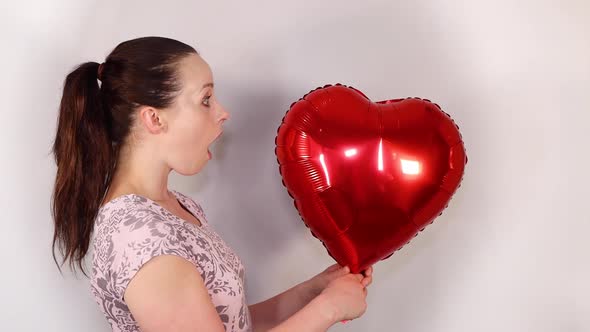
point(333, 295)
point(319, 282)
point(345, 297)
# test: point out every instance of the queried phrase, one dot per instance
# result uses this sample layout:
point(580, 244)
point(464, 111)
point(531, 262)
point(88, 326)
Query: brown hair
point(95, 121)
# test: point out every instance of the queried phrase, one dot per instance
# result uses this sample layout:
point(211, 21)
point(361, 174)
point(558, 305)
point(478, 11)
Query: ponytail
point(85, 160)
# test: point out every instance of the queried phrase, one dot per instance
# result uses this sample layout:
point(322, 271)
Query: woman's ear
point(152, 120)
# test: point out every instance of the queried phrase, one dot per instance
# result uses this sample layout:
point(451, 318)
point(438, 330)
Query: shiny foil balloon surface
point(366, 176)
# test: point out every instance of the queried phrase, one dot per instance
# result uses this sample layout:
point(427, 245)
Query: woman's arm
point(168, 294)
point(270, 313)
point(317, 316)
point(343, 298)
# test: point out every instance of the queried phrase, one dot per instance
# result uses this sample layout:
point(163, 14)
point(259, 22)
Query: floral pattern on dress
point(131, 229)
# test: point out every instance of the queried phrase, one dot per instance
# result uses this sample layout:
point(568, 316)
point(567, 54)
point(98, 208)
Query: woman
point(157, 263)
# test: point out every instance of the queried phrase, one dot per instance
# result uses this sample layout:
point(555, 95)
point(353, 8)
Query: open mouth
point(212, 143)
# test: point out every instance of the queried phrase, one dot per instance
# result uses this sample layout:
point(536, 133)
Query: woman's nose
point(224, 115)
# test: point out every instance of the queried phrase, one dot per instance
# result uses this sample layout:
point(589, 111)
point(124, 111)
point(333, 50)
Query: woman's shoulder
point(120, 207)
point(130, 231)
point(129, 213)
point(132, 225)
point(132, 211)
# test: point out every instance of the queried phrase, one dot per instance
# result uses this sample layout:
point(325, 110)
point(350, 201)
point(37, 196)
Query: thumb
point(343, 271)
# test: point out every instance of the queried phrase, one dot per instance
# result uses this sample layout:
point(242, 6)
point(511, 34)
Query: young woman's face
point(194, 120)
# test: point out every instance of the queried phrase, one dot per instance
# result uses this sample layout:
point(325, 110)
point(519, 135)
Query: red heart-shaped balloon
point(366, 176)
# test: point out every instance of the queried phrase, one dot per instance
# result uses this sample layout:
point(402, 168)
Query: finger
point(368, 271)
point(358, 277)
point(367, 281)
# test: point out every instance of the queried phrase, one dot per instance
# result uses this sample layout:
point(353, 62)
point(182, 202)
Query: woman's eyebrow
point(207, 85)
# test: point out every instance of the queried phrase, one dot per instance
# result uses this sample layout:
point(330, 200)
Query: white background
point(509, 254)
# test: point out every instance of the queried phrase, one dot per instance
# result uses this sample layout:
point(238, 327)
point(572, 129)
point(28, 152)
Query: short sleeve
point(142, 235)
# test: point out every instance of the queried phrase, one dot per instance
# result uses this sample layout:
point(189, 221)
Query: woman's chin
point(194, 168)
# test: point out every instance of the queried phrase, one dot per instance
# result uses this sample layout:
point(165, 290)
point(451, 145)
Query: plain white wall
point(511, 251)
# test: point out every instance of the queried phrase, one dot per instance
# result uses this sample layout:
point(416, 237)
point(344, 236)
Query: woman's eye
point(206, 101)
